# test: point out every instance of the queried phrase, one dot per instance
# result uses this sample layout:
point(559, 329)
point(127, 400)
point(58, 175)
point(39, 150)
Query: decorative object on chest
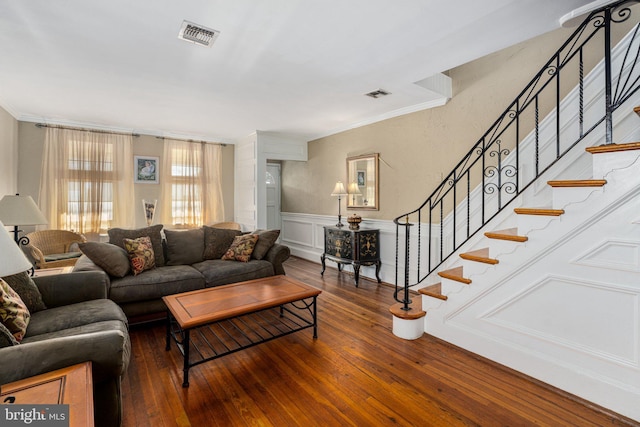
point(353, 246)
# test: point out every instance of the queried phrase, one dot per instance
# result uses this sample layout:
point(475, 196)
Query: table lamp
point(18, 211)
point(12, 261)
point(354, 190)
point(339, 191)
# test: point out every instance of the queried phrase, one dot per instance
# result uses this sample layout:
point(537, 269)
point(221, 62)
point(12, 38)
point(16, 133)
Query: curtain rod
point(192, 140)
point(44, 125)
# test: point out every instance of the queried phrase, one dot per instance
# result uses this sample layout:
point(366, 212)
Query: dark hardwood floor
point(356, 373)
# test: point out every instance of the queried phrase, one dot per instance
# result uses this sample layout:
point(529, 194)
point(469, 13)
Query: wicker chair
point(229, 225)
point(53, 248)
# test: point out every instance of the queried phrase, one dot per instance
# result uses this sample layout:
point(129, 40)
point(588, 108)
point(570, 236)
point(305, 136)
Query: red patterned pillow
point(141, 254)
point(241, 248)
point(13, 312)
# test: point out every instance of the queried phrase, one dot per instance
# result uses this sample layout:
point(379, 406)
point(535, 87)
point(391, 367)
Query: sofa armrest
point(107, 350)
point(71, 288)
point(277, 255)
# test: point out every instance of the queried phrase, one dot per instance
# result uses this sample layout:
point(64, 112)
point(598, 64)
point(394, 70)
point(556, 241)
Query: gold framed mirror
point(362, 182)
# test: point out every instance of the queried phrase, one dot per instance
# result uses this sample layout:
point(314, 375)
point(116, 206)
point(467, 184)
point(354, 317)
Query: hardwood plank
point(357, 373)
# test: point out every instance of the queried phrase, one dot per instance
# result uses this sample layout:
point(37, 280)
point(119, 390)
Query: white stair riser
point(499, 247)
point(563, 196)
point(604, 163)
point(430, 302)
point(472, 268)
point(451, 286)
point(527, 223)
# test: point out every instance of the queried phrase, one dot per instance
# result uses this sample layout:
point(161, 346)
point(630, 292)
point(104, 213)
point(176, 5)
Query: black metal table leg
point(167, 346)
point(185, 369)
point(315, 317)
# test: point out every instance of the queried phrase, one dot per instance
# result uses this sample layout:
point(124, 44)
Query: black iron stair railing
point(492, 174)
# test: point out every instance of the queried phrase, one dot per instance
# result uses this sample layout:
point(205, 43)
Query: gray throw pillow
point(217, 241)
point(266, 239)
point(6, 337)
point(111, 258)
point(28, 291)
point(117, 236)
point(184, 247)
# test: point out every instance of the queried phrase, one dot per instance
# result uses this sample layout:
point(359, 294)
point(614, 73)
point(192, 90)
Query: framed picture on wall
point(362, 178)
point(146, 170)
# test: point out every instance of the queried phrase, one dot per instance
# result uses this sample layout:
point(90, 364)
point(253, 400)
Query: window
point(87, 180)
point(192, 184)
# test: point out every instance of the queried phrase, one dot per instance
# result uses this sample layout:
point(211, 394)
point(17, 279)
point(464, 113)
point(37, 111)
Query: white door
point(273, 196)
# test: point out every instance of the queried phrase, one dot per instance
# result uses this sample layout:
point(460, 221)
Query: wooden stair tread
point(434, 291)
point(480, 255)
point(578, 183)
point(454, 274)
point(415, 311)
point(636, 110)
point(612, 148)
point(539, 211)
point(510, 234)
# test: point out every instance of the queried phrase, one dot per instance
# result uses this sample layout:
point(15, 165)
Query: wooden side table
point(356, 247)
point(72, 386)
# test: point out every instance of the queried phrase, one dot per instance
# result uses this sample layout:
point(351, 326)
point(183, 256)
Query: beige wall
point(31, 143)
point(9, 150)
point(417, 149)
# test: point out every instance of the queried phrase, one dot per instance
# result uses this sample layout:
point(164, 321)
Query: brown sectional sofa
point(185, 261)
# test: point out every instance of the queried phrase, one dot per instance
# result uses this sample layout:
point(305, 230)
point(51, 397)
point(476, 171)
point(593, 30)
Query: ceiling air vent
point(197, 34)
point(378, 93)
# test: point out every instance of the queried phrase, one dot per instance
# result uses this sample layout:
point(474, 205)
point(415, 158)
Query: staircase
point(537, 265)
point(558, 296)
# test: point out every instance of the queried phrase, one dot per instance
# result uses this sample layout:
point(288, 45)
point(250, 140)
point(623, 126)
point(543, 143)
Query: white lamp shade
point(339, 190)
point(20, 210)
point(12, 260)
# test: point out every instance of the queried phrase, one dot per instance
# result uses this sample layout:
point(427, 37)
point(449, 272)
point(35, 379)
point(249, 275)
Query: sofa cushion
point(73, 316)
point(117, 235)
point(218, 272)
point(113, 259)
point(13, 313)
point(184, 247)
point(156, 283)
point(28, 291)
point(266, 239)
point(141, 254)
point(241, 248)
point(217, 241)
point(6, 337)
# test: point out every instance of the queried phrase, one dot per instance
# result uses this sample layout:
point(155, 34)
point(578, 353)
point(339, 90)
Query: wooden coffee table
point(213, 322)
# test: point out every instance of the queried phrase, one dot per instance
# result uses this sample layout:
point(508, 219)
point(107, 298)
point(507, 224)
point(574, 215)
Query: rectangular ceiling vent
point(197, 34)
point(378, 93)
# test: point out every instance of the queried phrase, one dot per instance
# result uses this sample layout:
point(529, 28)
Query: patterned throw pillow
point(116, 236)
point(141, 254)
point(13, 313)
point(241, 248)
point(27, 290)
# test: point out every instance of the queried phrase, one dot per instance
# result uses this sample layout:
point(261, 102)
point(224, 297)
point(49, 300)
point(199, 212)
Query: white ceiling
point(300, 67)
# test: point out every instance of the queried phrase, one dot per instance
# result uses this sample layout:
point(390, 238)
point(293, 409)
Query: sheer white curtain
point(87, 180)
point(191, 184)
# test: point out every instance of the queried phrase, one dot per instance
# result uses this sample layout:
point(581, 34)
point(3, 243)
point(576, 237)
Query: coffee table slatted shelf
point(228, 336)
